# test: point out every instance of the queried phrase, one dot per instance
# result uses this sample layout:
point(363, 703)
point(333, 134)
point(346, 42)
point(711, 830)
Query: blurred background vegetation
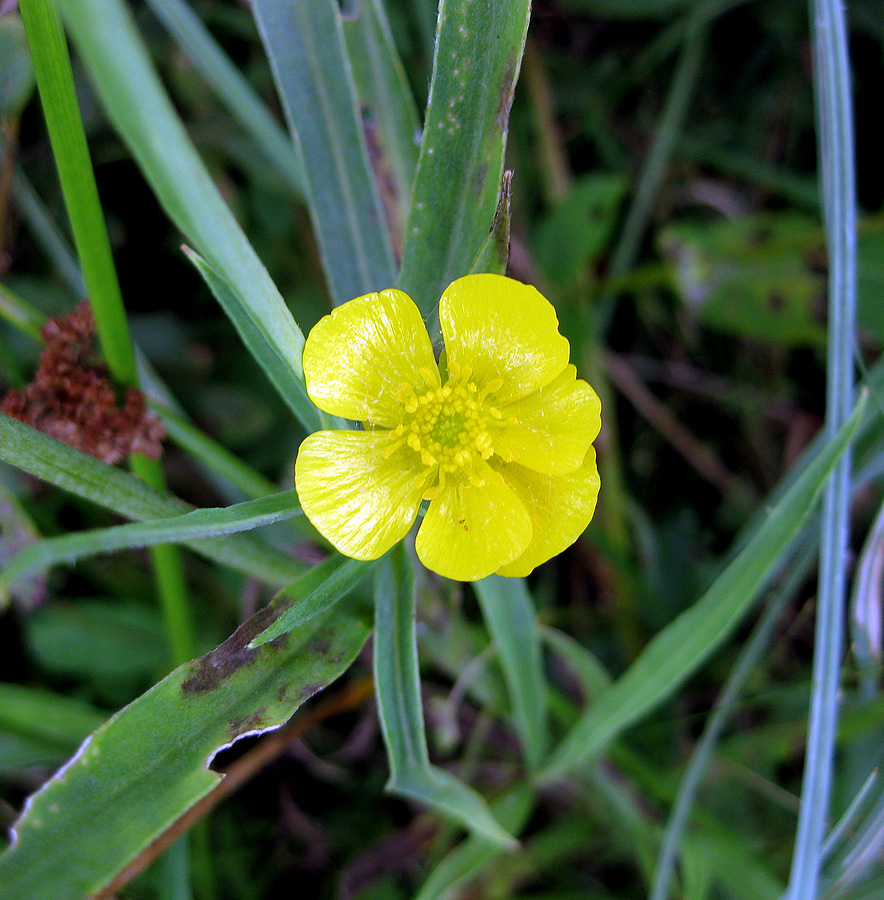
point(665, 198)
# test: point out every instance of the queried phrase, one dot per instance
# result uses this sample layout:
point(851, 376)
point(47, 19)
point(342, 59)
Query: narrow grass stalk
point(836, 154)
point(699, 762)
point(55, 81)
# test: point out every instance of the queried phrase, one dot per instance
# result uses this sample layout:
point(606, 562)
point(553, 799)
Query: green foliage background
point(631, 721)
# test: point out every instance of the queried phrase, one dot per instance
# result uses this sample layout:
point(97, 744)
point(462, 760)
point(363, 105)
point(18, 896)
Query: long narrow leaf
point(389, 114)
point(683, 645)
point(149, 764)
point(140, 110)
point(190, 526)
point(316, 593)
point(129, 496)
point(235, 92)
point(478, 55)
point(397, 682)
point(508, 610)
point(305, 44)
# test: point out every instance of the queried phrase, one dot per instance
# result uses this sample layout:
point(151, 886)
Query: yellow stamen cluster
point(446, 426)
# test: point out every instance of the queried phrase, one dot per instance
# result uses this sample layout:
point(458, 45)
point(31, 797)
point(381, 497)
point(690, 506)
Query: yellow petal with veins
point(502, 330)
point(357, 358)
point(560, 507)
point(553, 427)
point(360, 500)
point(473, 527)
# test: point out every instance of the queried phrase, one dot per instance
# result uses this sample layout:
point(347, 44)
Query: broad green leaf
point(508, 610)
point(189, 526)
point(389, 115)
point(149, 764)
point(397, 682)
point(495, 252)
point(16, 71)
point(315, 593)
point(142, 113)
point(478, 55)
point(677, 651)
point(131, 497)
point(235, 92)
point(305, 44)
point(38, 727)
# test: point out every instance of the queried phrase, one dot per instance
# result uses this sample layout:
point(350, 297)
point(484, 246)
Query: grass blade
point(838, 180)
point(508, 610)
point(131, 497)
point(685, 643)
point(235, 92)
point(397, 682)
point(142, 113)
point(190, 526)
point(305, 44)
point(389, 114)
point(461, 158)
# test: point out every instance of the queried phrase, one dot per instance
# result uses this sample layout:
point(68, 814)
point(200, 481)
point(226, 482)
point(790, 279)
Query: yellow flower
point(496, 436)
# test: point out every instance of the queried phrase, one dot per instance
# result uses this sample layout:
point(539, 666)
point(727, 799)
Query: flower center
point(447, 426)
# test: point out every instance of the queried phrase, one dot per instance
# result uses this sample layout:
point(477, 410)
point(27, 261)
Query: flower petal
point(357, 358)
point(504, 329)
point(554, 426)
point(357, 499)
point(560, 507)
point(470, 530)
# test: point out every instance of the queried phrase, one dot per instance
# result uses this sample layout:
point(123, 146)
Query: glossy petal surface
point(357, 358)
point(560, 507)
point(469, 531)
point(502, 329)
point(360, 501)
point(554, 426)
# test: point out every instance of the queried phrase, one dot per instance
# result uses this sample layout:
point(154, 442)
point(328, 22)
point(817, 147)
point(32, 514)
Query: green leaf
point(389, 115)
point(315, 593)
point(476, 853)
point(190, 526)
point(478, 55)
point(58, 97)
point(234, 91)
point(131, 497)
point(508, 610)
point(149, 764)
point(495, 252)
point(397, 682)
point(142, 113)
point(278, 369)
point(305, 44)
point(677, 651)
